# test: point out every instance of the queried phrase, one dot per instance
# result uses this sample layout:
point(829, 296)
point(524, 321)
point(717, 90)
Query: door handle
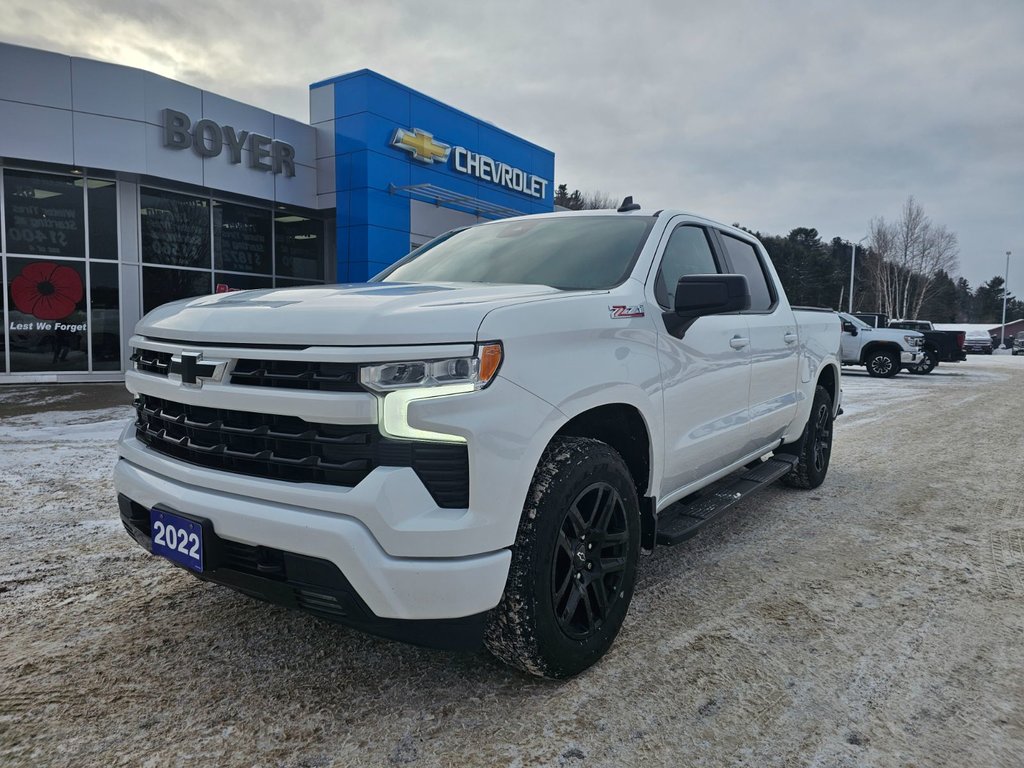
point(738, 342)
point(791, 338)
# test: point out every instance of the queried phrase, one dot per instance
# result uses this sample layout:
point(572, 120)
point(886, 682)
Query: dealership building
point(121, 190)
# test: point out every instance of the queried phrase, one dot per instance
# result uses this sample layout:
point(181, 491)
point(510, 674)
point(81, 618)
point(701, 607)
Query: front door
point(705, 374)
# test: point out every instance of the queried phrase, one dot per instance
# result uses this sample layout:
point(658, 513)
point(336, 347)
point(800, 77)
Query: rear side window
point(746, 262)
point(688, 252)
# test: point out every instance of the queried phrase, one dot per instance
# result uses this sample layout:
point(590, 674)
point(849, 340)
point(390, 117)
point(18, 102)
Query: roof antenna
point(628, 205)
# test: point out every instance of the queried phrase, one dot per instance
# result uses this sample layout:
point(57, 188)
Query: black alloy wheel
point(821, 437)
point(813, 451)
point(589, 566)
point(574, 562)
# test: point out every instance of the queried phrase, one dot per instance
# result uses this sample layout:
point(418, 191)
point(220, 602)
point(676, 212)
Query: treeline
point(817, 273)
point(906, 268)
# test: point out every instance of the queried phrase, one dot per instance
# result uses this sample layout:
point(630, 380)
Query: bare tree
point(583, 201)
point(910, 252)
point(597, 200)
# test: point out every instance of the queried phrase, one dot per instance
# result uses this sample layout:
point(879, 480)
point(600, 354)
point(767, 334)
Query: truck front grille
point(297, 374)
point(292, 449)
point(149, 361)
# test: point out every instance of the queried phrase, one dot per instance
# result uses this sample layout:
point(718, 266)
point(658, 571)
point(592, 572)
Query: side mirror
point(850, 328)
point(700, 295)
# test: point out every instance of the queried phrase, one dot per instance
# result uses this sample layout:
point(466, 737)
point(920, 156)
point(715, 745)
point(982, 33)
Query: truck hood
point(363, 314)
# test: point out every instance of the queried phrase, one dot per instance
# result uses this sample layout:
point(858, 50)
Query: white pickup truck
point(478, 443)
point(883, 351)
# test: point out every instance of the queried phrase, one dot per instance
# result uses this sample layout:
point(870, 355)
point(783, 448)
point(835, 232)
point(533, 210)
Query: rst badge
point(621, 311)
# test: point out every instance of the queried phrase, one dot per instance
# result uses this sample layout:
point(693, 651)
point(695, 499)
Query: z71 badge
point(620, 310)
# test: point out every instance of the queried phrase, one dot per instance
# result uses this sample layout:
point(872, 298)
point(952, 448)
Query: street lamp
point(1006, 291)
point(853, 261)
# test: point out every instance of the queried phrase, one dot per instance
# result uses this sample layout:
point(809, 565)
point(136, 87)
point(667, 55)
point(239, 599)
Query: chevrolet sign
point(425, 148)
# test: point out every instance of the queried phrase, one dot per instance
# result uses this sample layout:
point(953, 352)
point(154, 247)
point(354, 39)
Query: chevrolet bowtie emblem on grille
point(192, 369)
point(421, 145)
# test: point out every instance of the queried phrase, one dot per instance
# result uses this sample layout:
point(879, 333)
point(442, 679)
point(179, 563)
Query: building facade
point(121, 190)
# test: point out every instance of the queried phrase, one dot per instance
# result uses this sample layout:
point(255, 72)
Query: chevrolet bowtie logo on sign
point(421, 145)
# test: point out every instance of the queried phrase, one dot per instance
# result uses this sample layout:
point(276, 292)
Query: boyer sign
point(208, 139)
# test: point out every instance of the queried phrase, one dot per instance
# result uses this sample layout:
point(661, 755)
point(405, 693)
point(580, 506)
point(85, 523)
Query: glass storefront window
point(44, 214)
point(105, 306)
point(161, 285)
point(46, 315)
point(102, 218)
point(175, 229)
point(225, 283)
point(299, 246)
point(295, 282)
point(241, 238)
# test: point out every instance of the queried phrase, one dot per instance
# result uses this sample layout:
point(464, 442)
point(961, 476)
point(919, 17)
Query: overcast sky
point(774, 115)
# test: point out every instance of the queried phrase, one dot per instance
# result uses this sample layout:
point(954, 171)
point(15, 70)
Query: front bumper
point(401, 588)
point(910, 358)
point(309, 584)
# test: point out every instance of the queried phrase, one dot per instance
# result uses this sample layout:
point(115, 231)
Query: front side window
point(746, 262)
point(570, 253)
point(687, 252)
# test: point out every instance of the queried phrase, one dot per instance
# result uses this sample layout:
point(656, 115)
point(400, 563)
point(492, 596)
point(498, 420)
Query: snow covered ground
point(874, 621)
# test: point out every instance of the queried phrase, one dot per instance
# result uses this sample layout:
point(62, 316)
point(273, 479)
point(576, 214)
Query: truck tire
point(883, 363)
point(927, 364)
point(814, 448)
point(573, 564)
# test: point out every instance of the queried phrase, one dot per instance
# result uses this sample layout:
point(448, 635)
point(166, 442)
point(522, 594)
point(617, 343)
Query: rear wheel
point(573, 564)
point(883, 363)
point(813, 450)
point(928, 362)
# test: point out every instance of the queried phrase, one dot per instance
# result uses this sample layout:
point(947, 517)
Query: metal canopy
point(439, 195)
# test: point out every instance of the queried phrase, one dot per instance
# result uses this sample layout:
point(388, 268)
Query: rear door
point(705, 374)
point(774, 344)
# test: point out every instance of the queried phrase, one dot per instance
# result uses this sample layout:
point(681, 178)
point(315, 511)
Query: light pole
point(853, 261)
point(1006, 291)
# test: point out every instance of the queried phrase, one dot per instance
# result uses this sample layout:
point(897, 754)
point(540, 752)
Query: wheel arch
point(829, 379)
point(623, 427)
point(874, 346)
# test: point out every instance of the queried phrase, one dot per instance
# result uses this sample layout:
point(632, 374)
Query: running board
point(683, 519)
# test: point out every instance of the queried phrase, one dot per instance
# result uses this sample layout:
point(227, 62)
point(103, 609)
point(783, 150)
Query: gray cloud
point(775, 115)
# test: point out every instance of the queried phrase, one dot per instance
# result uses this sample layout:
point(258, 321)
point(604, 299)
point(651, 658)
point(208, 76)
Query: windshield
point(855, 320)
point(567, 252)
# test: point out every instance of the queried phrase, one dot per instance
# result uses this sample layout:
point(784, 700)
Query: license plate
point(177, 538)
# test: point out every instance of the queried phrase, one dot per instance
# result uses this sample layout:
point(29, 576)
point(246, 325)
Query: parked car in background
point(978, 343)
point(938, 347)
point(883, 351)
point(1018, 344)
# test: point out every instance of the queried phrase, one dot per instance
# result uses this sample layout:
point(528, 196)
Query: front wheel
point(883, 363)
point(573, 564)
point(813, 450)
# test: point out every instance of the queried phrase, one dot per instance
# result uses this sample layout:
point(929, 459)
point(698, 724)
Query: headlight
point(914, 341)
point(399, 384)
point(478, 371)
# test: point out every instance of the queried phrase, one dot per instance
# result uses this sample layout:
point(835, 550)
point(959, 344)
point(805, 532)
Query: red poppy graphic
point(47, 291)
